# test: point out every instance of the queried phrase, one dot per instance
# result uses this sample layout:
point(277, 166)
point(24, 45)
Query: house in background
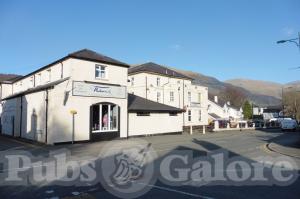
point(164, 85)
point(222, 110)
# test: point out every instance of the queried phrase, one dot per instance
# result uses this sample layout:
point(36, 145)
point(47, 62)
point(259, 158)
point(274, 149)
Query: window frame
point(143, 113)
point(199, 115)
point(98, 67)
point(199, 97)
point(158, 81)
point(189, 97)
point(172, 114)
point(189, 115)
point(32, 83)
point(158, 96)
point(48, 75)
point(171, 96)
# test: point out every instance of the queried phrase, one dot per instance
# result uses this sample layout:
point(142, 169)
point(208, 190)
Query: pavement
point(287, 144)
point(245, 145)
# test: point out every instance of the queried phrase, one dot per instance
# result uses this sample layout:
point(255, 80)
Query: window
point(158, 97)
point(62, 71)
point(132, 81)
point(171, 96)
point(100, 72)
point(143, 113)
point(189, 115)
point(31, 81)
point(173, 114)
point(105, 117)
point(38, 79)
point(48, 75)
point(199, 97)
point(189, 97)
point(158, 81)
point(199, 115)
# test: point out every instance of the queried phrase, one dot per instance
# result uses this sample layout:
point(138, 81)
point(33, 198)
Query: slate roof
point(8, 78)
point(151, 67)
point(84, 54)
point(87, 54)
point(36, 89)
point(139, 104)
point(221, 102)
point(215, 116)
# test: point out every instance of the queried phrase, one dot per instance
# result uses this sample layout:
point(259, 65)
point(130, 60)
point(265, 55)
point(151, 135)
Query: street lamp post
point(295, 41)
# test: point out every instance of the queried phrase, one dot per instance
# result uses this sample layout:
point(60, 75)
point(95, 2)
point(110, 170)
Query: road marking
point(177, 191)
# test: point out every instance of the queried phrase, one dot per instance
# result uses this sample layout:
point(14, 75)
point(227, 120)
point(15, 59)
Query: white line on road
point(177, 191)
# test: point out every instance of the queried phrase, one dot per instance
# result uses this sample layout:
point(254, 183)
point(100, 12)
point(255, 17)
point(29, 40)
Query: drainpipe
point(164, 90)
point(183, 101)
point(46, 127)
point(21, 116)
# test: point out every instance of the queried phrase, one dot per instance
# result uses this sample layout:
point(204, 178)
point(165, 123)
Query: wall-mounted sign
point(98, 90)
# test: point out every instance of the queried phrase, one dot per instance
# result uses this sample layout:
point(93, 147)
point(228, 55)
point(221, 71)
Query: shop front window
point(105, 117)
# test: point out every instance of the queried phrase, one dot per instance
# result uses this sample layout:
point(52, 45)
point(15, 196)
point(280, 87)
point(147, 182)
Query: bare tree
point(234, 95)
point(291, 102)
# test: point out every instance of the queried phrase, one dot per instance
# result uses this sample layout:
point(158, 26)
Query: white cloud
point(176, 47)
point(288, 31)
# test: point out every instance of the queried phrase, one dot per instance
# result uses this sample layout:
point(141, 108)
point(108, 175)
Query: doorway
point(105, 121)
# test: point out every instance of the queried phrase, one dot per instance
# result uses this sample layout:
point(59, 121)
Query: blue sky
point(221, 38)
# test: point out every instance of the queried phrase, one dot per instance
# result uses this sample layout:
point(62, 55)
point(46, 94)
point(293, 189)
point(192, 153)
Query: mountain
point(269, 97)
point(8, 77)
point(259, 87)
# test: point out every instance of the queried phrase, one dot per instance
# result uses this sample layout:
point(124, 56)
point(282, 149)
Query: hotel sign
point(98, 90)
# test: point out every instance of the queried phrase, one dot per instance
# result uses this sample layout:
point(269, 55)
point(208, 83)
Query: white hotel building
point(83, 97)
point(164, 85)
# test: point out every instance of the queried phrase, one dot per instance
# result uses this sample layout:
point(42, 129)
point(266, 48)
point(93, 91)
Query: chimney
point(228, 103)
point(216, 99)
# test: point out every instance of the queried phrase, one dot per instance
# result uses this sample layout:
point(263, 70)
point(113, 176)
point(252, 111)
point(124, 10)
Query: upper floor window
point(158, 97)
point(199, 97)
point(189, 97)
point(38, 79)
point(189, 115)
point(48, 75)
point(100, 72)
point(31, 81)
point(199, 115)
point(171, 96)
point(158, 81)
point(132, 81)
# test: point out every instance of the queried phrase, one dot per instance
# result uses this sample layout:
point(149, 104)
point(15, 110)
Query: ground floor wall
point(61, 123)
point(24, 117)
point(155, 123)
point(196, 117)
point(46, 116)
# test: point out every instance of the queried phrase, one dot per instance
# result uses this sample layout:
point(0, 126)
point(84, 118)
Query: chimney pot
point(216, 99)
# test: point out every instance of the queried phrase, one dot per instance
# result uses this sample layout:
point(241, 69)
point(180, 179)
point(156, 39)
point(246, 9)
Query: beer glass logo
point(127, 170)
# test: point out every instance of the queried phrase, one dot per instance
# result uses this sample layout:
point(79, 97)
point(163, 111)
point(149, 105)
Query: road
point(245, 145)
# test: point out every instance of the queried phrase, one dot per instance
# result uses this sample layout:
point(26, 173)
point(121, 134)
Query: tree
point(291, 102)
point(247, 110)
point(234, 95)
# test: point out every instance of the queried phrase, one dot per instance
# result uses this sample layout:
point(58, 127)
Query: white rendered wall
point(156, 123)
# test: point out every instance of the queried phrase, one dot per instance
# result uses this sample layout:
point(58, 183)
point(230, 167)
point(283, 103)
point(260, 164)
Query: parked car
point(288, 124)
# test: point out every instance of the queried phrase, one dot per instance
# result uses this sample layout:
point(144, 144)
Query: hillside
point(216, 87)
point(258, 87)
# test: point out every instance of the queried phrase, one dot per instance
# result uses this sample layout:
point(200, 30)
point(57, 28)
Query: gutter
point(21, 117)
